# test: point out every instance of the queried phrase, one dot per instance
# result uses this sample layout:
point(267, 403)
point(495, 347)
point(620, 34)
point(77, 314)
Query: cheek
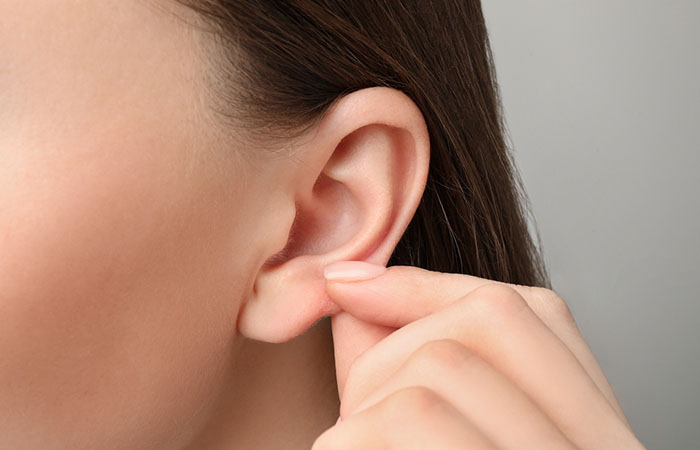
point(121, 273)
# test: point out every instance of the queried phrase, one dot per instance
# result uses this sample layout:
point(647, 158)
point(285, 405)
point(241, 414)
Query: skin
point(161, 277)
point(466, 362)
point(125, 230)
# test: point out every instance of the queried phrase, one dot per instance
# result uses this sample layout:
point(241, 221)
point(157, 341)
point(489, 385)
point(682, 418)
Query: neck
point(278, 395)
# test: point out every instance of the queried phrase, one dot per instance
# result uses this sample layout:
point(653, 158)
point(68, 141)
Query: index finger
point(400, 295)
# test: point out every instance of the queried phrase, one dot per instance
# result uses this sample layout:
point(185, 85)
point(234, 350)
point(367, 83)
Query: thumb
point(369, 309)
point(376, 300)
point(351, 338)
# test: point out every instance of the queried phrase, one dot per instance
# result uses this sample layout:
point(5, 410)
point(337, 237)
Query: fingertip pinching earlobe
point(342, 271)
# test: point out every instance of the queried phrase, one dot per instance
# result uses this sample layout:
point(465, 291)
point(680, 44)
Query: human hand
point(451, 361)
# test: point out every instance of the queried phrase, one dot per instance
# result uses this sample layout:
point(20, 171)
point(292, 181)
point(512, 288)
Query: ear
point(363, 172)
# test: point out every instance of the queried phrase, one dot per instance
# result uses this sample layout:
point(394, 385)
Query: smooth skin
point(161, 276)
point(469, 363)
point(132, 228)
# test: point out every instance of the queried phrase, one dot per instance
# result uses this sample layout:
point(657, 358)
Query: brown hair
point(281, 65)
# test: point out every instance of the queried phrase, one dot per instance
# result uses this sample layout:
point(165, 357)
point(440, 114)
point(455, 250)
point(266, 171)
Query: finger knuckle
point(497, 300)
point(441, 354)
point(414, 403)
point(553, 303)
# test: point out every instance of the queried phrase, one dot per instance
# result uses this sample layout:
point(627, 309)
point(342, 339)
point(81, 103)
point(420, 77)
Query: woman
point(199, 199)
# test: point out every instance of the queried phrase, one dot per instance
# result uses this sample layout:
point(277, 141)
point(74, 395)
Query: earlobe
point(363, 176)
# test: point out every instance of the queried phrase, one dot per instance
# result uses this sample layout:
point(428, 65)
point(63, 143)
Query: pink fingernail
point(339, 420)
point(352, 271)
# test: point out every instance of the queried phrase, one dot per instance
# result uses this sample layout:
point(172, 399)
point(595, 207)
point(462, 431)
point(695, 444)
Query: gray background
point(603, 106)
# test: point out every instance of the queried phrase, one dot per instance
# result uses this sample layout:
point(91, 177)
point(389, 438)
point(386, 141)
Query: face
point(127, 228)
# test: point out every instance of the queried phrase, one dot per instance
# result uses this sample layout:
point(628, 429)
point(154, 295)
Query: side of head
point(302, 59)
point(169, 187)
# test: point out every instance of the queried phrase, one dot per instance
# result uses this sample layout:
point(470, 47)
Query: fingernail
point(339, 420)
point(352, 271)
